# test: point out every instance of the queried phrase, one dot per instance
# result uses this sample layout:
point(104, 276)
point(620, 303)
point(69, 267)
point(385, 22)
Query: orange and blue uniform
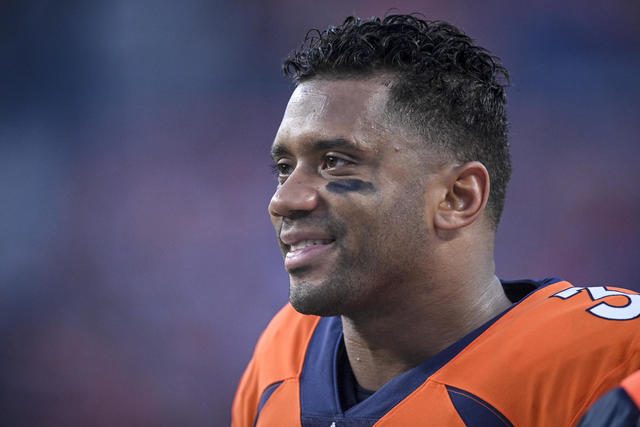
point(618, 408)
point(543, 362)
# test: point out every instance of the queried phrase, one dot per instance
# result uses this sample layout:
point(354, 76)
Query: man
point(392, 162)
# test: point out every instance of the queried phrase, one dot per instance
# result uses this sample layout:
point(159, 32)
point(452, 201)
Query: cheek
point(403, 217)
point(367, 222)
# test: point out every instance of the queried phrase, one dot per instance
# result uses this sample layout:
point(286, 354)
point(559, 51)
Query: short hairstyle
point(445, 88)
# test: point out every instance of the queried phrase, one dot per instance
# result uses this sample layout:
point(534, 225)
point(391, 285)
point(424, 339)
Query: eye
point(281, 169)
point(332, 162)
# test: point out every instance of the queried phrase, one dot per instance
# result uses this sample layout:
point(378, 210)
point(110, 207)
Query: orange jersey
point(543, 362)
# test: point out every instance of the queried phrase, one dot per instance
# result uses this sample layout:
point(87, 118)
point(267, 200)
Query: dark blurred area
point(137, 261)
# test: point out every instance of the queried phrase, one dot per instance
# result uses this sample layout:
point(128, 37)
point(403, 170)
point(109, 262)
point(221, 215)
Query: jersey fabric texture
point(542, 362)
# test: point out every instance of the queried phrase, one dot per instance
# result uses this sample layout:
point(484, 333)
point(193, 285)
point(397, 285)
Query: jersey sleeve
point(278, 358)
point(245, 403)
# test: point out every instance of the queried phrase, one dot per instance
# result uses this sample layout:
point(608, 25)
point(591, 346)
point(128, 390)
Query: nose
point(295, 196)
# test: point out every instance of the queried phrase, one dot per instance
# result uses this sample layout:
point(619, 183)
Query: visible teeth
point(305, 243)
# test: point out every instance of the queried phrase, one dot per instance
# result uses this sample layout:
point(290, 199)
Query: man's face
point(349, 209)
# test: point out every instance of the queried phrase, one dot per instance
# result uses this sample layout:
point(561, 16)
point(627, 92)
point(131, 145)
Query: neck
point(383, 344)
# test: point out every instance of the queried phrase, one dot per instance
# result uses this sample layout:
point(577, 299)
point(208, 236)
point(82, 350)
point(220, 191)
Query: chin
point(318, 300)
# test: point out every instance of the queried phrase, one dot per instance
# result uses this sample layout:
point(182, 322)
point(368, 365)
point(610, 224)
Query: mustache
point(328, 224)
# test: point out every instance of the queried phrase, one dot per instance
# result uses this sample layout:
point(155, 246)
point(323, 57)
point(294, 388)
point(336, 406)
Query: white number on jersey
point(602, 309)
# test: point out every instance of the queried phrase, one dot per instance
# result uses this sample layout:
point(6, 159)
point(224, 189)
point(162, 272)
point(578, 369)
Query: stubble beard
point(327, 297)
point(371, 266)
point(355, 285)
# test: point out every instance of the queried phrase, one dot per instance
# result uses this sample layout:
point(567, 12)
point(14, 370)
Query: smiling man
point(392, 163)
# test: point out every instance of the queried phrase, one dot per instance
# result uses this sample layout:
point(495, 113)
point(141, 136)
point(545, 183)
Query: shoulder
point(284, 342)
point(281, 349)
point(604, 302)
point(561, 343)
point(561, 323)
point(278, 358)
point(581, 310)
point(596, 323)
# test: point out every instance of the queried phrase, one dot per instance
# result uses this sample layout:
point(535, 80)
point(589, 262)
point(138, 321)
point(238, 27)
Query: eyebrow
point(279, 150)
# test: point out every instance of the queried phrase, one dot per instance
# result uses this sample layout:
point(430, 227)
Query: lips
point(305, 248)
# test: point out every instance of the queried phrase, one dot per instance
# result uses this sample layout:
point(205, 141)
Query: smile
point(306, 252)
point(306, 243)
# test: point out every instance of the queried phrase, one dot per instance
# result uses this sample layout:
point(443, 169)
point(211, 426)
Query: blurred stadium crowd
point(137, 261)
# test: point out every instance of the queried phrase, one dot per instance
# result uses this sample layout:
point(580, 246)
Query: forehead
point(330, 109)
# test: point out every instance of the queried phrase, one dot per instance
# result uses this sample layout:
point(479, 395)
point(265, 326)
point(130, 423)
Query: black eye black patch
point(345, 186)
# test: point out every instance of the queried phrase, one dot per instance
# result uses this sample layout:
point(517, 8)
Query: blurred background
point(137, 261)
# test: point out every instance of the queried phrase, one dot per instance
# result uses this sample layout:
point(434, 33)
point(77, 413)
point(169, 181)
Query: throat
point(371, 368)
point(350, 391)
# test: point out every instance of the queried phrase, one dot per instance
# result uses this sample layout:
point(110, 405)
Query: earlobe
point(466, 196)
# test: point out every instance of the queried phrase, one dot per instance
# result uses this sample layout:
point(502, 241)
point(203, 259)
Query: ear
point(466, 196)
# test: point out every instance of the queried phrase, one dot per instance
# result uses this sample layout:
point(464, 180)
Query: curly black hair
point(445, 88)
